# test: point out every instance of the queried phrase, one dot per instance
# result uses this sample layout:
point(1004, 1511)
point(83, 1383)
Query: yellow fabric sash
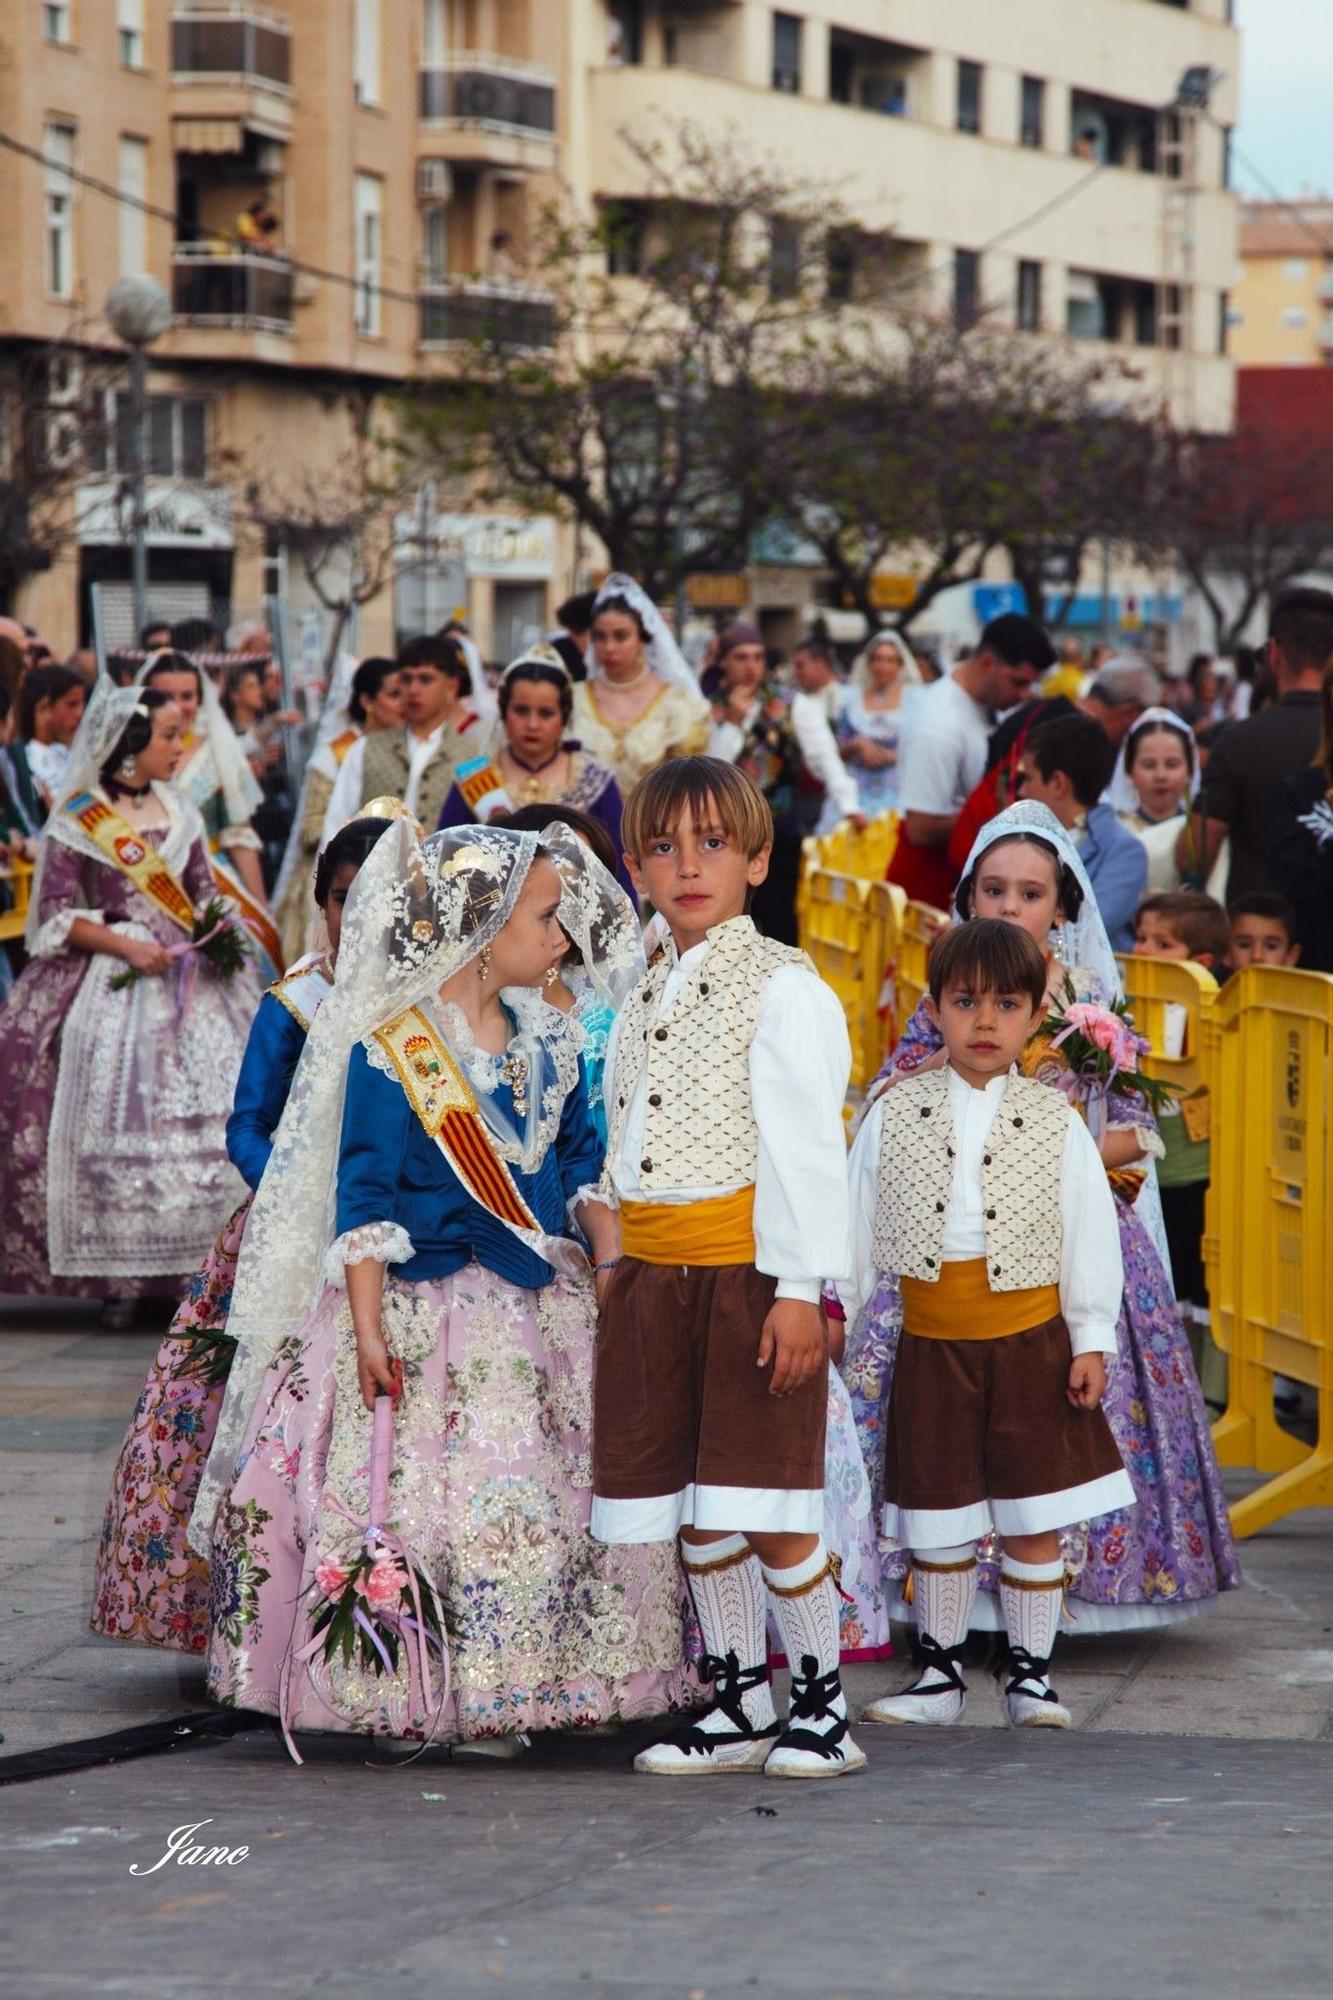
point(443, 1100)
point(961, 1305)
point(116, 839)
point(252, 914)
point(478, 784)
point(718, 1231)
point(340, 746)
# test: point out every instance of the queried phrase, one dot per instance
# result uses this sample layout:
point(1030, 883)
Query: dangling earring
point(129, 769)
point(552, 974)
point(484, 964)
point(1058, 947)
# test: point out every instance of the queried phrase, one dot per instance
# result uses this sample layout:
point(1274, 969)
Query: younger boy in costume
point(724, 1086)
point(983, 1191)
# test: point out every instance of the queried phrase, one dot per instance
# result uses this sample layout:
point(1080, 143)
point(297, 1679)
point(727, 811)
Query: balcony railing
point(243, 42)
point(492, 92)
point(213, 288)
point(499, 315)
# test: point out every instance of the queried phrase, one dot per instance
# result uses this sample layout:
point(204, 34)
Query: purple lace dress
point(114, 1176)
point(1169, 1556)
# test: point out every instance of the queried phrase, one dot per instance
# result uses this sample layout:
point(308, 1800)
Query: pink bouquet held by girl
point(1101, 1050)
point(378, 1606)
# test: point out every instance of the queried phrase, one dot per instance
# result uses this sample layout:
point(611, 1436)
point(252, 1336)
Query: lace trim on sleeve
point(370, 1243)
point(52, 937)
point(240, 836)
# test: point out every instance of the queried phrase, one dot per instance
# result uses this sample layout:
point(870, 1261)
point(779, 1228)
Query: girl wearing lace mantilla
point(149, 1585)
point(640, 703)
point(1169, 1556)
point(437, 1136)
point(120, 1050)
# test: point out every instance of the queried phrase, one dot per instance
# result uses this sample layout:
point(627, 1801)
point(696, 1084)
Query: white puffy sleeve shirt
point(1092, 1274)
point(800, 1062)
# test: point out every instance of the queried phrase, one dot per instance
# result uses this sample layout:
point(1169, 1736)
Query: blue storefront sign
point(992, 600)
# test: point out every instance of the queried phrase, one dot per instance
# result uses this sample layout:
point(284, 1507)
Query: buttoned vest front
point(384, 773)
point(1020, 1181)
point(699, 1126)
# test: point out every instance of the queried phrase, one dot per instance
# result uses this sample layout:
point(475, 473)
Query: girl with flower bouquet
point(114, 1091)
point(1169, 1556)
point(436, 1140)
point(149, 1585)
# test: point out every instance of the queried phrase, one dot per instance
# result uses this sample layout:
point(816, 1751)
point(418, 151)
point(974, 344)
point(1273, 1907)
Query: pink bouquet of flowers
point(1101, 1050)
point(378, 1605)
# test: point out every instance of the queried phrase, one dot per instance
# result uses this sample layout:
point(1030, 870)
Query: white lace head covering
point(598, 916)
point(1121, 793)
point(663, 654)
point(416, 914)
point(1080, 941)
point(860, 674)
point(101, 727)
point(240, 788)
point(540, 655)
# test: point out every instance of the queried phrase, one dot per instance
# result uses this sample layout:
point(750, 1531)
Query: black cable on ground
point(148, 1739)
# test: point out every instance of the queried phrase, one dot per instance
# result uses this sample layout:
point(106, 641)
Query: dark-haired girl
point(50, 707)
point(149, 1585)
point(1170, 1555)
point(538, 761)
point(114, 1092)
point(640, 703)
point(375, 703)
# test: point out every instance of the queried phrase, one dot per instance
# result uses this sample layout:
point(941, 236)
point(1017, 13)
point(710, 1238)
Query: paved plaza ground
point(1179, 1844)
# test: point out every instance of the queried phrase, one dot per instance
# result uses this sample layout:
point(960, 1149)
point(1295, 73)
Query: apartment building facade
point(336, 196)
point(1282, 308)
point(340, 193)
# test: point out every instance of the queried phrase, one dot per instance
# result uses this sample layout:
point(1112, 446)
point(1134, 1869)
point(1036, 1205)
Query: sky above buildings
point(1286, 87)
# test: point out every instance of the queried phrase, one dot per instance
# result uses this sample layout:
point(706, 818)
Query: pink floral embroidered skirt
point(490, 1490)
point(149, 1585)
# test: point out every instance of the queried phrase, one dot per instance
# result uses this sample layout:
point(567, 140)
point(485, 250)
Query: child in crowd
point(1263, 931)
point(1003, 1232)
point(1065, 766)
point(1187, 924)
point(725, 1083)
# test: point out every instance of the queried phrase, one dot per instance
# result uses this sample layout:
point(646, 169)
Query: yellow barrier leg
point(1309, 1484)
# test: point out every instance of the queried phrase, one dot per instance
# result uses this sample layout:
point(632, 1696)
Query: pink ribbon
point(411, 1628)
point(187, 969)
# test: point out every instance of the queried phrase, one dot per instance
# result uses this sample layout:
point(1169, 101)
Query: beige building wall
point(433, 124)
point(1282, 307)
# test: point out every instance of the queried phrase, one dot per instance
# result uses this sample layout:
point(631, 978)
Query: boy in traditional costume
point(727, 1161)
point(982, 1190)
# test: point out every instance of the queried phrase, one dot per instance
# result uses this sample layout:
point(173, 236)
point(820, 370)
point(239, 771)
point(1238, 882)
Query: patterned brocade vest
point(1020, 1182)
point(386, 768)
point(699, 1125)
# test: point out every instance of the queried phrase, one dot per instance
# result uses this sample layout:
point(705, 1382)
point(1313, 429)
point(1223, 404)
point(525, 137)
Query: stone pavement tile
point(1146, 1868)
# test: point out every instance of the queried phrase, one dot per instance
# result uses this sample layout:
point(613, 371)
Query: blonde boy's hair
point(706, 788)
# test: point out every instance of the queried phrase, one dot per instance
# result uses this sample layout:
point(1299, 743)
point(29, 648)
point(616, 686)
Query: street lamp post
point(138, 310)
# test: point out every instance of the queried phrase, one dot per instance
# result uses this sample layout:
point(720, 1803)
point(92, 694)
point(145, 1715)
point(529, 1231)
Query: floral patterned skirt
point(1163, 1559)
point(491, 1491)
point(149, 1585)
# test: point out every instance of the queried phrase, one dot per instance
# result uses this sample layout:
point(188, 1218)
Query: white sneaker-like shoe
point(1029, 1699)
point(937, 1703)
point(935, 1698)
point(728, 1739)
point(815, 1743)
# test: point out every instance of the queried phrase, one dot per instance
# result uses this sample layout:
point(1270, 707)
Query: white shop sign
point(498, 545)
point(178, 517)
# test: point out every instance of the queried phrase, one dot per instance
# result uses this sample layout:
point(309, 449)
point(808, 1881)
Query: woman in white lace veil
point(219, 765)
point(100, 729)
point(481, 1304)
point(640, 704)
point(114, 1091)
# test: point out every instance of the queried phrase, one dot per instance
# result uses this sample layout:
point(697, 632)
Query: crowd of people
point(497, 1100)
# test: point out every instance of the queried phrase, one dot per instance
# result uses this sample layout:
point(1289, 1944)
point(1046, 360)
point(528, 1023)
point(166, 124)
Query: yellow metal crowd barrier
point(13, 919)
point(1269, 1055)
point(1258, 1054)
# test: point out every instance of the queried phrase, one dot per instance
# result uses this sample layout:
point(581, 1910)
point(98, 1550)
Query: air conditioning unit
point(435, 180)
